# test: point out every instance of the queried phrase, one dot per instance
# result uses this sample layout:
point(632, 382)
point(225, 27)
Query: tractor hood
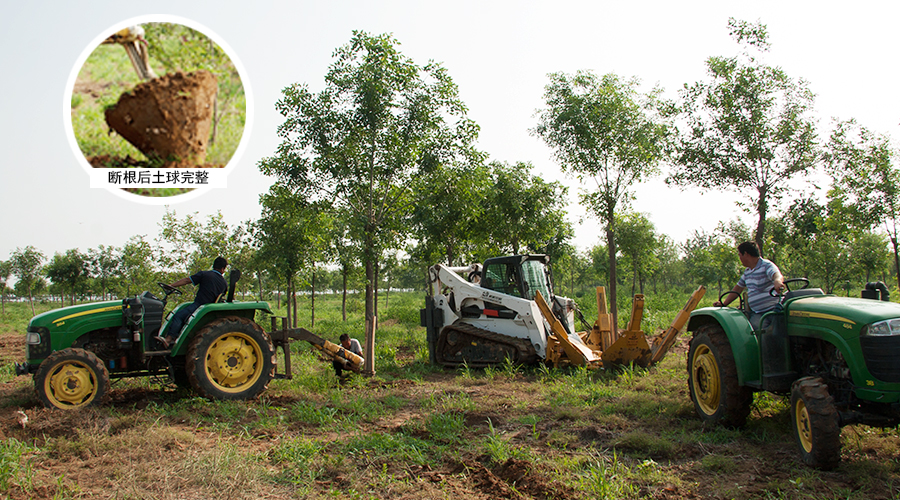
point(58, 318)
point(852, 311)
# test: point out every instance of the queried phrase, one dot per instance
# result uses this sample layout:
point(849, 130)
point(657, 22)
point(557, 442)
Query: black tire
point(230, 358)
point(71, 378)
point(713, 380)
point(816, 423)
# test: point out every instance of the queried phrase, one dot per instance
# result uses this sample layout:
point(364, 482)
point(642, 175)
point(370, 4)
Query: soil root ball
point(168, 118)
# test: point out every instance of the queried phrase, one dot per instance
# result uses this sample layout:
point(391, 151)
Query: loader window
point(535, 279)
point(502, 278)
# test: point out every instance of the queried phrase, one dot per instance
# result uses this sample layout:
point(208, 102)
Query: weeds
point(15, 464)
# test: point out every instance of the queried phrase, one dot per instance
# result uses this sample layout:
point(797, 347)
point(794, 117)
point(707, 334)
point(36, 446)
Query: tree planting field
point(418, 431)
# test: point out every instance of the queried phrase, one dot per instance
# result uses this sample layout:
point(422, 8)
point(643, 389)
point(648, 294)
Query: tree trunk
point(344, 295)
point(370, 303)
point(288, 305)
point(312, 300)
point(762, 206)
point(896, 257)
point(611, 245)
point(377, 285)
point(294, 300)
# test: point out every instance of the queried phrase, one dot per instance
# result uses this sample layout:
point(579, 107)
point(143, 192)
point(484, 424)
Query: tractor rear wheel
point(713, 380)
point(230, 358)
point(816, 426)
point(71, 378)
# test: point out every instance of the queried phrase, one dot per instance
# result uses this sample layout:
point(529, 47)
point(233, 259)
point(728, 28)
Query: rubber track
point(525, 353)
point(823, 417)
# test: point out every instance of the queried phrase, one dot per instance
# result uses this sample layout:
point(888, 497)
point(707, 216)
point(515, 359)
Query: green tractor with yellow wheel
point(836, 357)
point(221, 352)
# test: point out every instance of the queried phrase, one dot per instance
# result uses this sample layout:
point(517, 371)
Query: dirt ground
point(760, 466)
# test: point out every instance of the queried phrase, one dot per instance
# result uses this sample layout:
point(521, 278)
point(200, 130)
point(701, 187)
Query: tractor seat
point(803, 293)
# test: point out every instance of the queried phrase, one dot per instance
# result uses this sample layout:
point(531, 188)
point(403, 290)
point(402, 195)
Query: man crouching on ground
point(351, 345)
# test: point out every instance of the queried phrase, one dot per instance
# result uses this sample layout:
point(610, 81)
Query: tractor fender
point(208, 313)
point(744, 344)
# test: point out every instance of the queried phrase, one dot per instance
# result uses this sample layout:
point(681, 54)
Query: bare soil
point(150, 465)
point(168, 118)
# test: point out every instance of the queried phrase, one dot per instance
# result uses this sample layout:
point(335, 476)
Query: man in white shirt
point(759, 279)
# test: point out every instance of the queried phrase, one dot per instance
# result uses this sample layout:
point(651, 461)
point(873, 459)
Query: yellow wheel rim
point(71, 384)
point(234, 362)
point(801, 422)
point(706, 382)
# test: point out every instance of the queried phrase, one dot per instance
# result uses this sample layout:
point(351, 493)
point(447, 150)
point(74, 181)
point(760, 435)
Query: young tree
point(521, 211)
point(637, 241)
point(380, 120)
point(289, 228)
point(68, 270)
point(136, 265)
point(865, 178)
point(5, 271)
point(27, 267)
point(103, 262)
point(448, 214)
point(750, 128)
point(609, 135)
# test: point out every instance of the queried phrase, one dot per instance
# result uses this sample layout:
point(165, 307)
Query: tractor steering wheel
point(787, 285)
point(169, 290)
point(740, 299)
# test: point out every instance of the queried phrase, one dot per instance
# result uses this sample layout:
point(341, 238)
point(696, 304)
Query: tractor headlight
point(33, 338)
point(883, 328)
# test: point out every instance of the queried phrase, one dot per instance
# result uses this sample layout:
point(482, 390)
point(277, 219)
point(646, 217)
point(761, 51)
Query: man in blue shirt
point(210, 285)
point(759, 279)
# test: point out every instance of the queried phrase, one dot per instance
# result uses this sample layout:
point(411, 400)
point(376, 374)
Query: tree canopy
point(749, 127)
point(610, 136)
point(380, 120)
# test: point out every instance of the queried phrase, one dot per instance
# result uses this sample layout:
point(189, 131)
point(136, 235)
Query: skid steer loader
point(505, 311)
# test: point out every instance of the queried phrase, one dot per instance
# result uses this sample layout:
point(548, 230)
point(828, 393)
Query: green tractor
point(221, 352)
point(836, 357)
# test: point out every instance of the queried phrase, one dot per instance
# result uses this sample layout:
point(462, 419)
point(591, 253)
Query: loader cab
point(518, 275)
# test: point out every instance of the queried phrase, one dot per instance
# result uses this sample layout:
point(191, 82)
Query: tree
point(68, 270)
point(380, 120)
point(104, 266)
point(26, 267)
point(865, 178)
point(136, 264)
point(189, 245)
point(603, 130)
point(5, 271)
point(289, 228)
point(637, 241)
point(448, 214)
point(522, 211)
point(749, 127)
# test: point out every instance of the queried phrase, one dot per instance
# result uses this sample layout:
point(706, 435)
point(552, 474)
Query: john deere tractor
point(836, 357)
point(221, 352)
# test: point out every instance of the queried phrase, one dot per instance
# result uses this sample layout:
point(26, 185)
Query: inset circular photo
point(158, 95)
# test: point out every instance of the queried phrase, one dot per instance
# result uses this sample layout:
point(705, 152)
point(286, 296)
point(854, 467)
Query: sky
point(498, 52)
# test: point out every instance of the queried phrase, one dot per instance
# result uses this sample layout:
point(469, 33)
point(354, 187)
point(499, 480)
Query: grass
point(418, 430)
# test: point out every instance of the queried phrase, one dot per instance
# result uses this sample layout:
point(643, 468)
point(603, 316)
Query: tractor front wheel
point(230, 358)
point(713, 380)
point(816, 426)
point(71, 378)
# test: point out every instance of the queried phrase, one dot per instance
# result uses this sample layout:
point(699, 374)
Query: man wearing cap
point(210, 285)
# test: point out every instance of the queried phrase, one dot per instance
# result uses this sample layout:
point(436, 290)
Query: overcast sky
point(498, 53)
